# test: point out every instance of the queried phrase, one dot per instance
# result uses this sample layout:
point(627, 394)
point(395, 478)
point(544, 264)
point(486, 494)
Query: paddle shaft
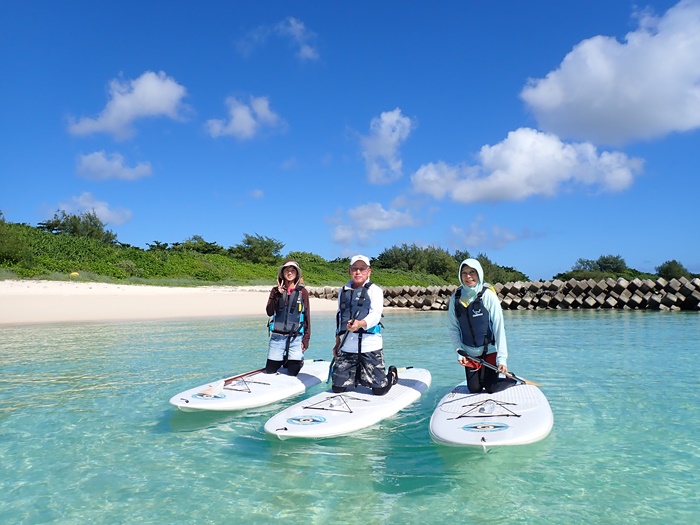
point(336, 350)
point(485, 363)
point(240, 376)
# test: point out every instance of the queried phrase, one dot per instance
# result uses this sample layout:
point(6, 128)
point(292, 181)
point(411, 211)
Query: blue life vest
point(289, 313)
point(355, 304)
point(474, 321)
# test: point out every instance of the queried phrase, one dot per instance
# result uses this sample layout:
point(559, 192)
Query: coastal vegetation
point(81, 244)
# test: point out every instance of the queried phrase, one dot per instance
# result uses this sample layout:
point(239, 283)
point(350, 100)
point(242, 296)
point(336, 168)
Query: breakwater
point(636, 294)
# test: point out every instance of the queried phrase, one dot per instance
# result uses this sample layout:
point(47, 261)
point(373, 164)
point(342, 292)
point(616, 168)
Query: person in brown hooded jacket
point(290, 323)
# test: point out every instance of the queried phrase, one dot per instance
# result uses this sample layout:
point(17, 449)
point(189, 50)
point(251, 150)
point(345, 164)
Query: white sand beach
point(35, 302)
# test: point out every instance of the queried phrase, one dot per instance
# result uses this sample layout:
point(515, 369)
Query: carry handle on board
point(482, 362)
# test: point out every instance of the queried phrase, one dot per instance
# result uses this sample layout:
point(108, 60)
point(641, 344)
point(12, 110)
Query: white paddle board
point(252, 389)
point(517, 415)
point(328, 414)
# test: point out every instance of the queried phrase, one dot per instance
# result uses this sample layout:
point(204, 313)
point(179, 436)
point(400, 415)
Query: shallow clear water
point(87, 434)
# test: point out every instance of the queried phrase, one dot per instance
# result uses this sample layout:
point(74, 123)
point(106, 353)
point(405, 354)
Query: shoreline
point(32, 302)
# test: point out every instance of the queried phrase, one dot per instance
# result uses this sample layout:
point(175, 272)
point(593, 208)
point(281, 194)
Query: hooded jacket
point(491, 303)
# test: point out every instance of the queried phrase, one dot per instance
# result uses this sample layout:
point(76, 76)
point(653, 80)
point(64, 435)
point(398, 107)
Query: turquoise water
point(87, 434)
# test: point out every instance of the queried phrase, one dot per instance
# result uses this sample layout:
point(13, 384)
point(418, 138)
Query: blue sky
point(535, 132)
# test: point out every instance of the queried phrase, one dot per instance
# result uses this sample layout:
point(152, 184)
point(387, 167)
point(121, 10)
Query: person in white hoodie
point(477, 328)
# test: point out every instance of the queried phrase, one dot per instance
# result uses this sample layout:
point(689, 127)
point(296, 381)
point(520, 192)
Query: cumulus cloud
point(381, 148)
point(87, 202)
point(150, 95)
point(103, 166)
point(245, 121)
point(612, 92)
point(527, 163)
point(291, 29)
point(367, 219)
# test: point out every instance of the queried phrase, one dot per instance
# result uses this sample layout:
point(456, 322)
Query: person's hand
point(303, 348)
point(503, 369)
point(469, 363)
point(280, 289)
point(356, 325)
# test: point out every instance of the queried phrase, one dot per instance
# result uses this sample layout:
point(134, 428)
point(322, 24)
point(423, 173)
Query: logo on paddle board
point(485, 427)
point(209, 396)
point(306, 420)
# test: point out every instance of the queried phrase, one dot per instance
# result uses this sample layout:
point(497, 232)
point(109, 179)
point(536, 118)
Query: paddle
point(330, 370)
point(240, 376)
point(492, 367)
point(219, 385)
point(342, 342)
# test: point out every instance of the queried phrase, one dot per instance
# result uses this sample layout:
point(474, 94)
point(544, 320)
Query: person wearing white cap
point(358, 351)
point(290, 323)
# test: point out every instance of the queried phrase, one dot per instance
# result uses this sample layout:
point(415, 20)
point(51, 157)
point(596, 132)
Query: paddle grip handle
point(477, 359)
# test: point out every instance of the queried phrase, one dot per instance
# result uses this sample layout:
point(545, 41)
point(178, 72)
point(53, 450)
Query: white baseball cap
point(362, 258)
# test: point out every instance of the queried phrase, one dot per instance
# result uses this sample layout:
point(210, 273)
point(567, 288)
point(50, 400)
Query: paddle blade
point(523, 380)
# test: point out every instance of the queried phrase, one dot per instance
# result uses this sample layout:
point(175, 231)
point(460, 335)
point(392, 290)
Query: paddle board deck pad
point(518, 415)
point(253, 389)
point(329, 414)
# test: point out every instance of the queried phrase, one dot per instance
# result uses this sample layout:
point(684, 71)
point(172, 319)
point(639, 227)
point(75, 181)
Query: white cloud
point(381, 148)
point(150, 95)
point(527, 163)
point(245, 120)
point(480, 237)
point(367, 219)
point(344, 234)
point(257, 194)
point(290, 28)
point(300, 36)
point(87, 202)
point(612, 92)
point(374, 217)
point(253, 39)
point(102, 166)
point(438, 178)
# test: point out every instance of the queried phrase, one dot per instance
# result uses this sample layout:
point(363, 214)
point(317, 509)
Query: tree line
point(73, 242)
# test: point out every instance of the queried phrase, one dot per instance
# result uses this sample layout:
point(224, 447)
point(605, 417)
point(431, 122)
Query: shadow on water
point(174, 420)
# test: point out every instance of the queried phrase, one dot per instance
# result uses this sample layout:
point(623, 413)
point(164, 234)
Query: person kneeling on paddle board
point(358, 350)
point(476, 327)
point(290, 326)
